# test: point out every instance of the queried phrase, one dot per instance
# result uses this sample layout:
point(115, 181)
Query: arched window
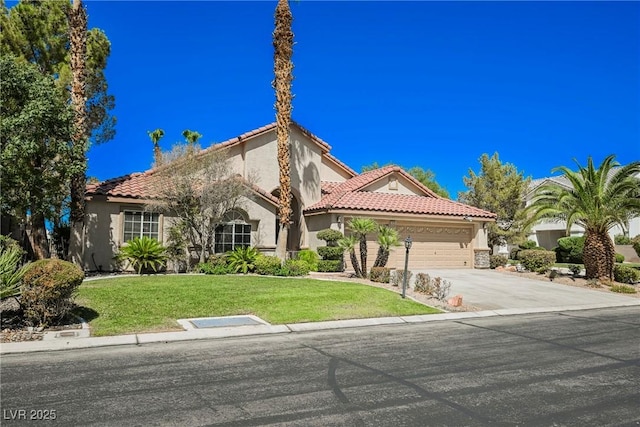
point(234, 232)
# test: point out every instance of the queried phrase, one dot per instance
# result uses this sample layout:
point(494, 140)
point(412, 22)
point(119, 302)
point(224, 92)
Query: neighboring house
point(326, 194)
point(547, 232)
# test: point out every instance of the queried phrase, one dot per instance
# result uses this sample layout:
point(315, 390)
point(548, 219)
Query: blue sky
point(430, 84)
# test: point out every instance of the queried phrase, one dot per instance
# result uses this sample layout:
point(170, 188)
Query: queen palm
point(283, 70)
point(599, 199)
point(361, 227)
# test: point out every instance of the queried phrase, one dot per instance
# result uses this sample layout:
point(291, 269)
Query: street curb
point(68, 343)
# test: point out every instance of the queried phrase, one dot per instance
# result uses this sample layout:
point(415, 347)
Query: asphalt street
point(577, 368)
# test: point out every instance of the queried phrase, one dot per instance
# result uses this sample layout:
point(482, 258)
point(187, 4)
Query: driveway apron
point(491, 290)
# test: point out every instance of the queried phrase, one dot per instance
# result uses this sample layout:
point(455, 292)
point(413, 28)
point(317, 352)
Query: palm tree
point(387, 238)
point(156, 136)
point(77, 17)
point(598, 200)
point(191, 136)
point(361, 227)
point(348, 244)
point(283, 70)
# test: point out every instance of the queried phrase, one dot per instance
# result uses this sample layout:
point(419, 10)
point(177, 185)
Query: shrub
point(310, 257)
point(330, 252)
point(212, 268)
point(536, 260)
point(218, 260)
point(621, 239)
point(380, 274)
point(441, 288)
point(619, 258)
point(267, 265)
point(635, 242)
point(528, 244)
point(398, 277)
point(294, 267)
point(575, 269)
point(330, 265)
point(623, 289)
point(423, 284)
point(48, 288)
point(11, 272)
point(497, 261)
point(144, 253)
point(570, 249)
point(242, 259)
point(330, 236)
point(625, 274)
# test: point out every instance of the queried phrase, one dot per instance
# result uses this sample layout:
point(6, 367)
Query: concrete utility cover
point(221, 322)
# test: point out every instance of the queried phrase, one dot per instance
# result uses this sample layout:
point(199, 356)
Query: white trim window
point(234, 232)
point(140, 224)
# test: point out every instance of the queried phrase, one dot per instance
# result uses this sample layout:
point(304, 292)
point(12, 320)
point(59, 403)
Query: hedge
point(536, 260)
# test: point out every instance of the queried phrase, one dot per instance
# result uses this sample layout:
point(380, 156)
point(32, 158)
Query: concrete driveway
point(490, 290)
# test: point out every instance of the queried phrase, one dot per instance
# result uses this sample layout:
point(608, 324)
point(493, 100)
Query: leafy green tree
point(53, 36)
point(425, 176)
point(35, 130)
point(599, 199)
point(501, 189)
point(38, 32)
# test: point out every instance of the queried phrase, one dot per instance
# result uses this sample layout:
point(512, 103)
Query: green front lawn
point(153, 303)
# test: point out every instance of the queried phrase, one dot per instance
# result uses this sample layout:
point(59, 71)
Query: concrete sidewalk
point(79, 342)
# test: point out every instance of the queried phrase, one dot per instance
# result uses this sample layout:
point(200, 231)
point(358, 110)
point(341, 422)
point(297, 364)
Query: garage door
point(433, 246)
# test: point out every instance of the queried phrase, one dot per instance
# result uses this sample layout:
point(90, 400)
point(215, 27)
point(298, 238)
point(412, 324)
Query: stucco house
point(326, 194)
point(547, 232)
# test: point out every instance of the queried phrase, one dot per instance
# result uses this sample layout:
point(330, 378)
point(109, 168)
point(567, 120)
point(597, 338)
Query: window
point(233, 233)
point(139, 224)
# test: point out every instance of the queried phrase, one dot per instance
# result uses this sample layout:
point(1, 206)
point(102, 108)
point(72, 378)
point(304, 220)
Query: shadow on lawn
point(88, 314)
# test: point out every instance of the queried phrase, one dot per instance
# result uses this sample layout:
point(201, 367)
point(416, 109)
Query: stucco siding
point(316, 223)
point(393, 185)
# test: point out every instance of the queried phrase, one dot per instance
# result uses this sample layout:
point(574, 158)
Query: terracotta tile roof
point(360, 181)
point(327, 186)
point(399, 203)
point(145, 186)
point(348, 195)
point(136, 185)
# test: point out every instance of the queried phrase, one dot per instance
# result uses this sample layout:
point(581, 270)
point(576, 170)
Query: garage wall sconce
point(339, 219)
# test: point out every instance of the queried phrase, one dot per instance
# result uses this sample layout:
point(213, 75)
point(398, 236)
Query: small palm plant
point(10, 271)
point(361, 227)
point(243, 259)
point(145, 254)
point(387, 238)
point(348, 244)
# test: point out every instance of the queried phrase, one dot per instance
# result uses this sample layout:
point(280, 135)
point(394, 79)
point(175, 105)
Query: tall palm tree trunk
point(283, 69)
point(598, 255)
point(78, 37)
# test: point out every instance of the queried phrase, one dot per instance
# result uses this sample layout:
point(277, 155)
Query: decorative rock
point(455, 301)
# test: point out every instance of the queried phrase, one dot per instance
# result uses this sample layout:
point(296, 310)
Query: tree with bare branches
point(197, 189)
